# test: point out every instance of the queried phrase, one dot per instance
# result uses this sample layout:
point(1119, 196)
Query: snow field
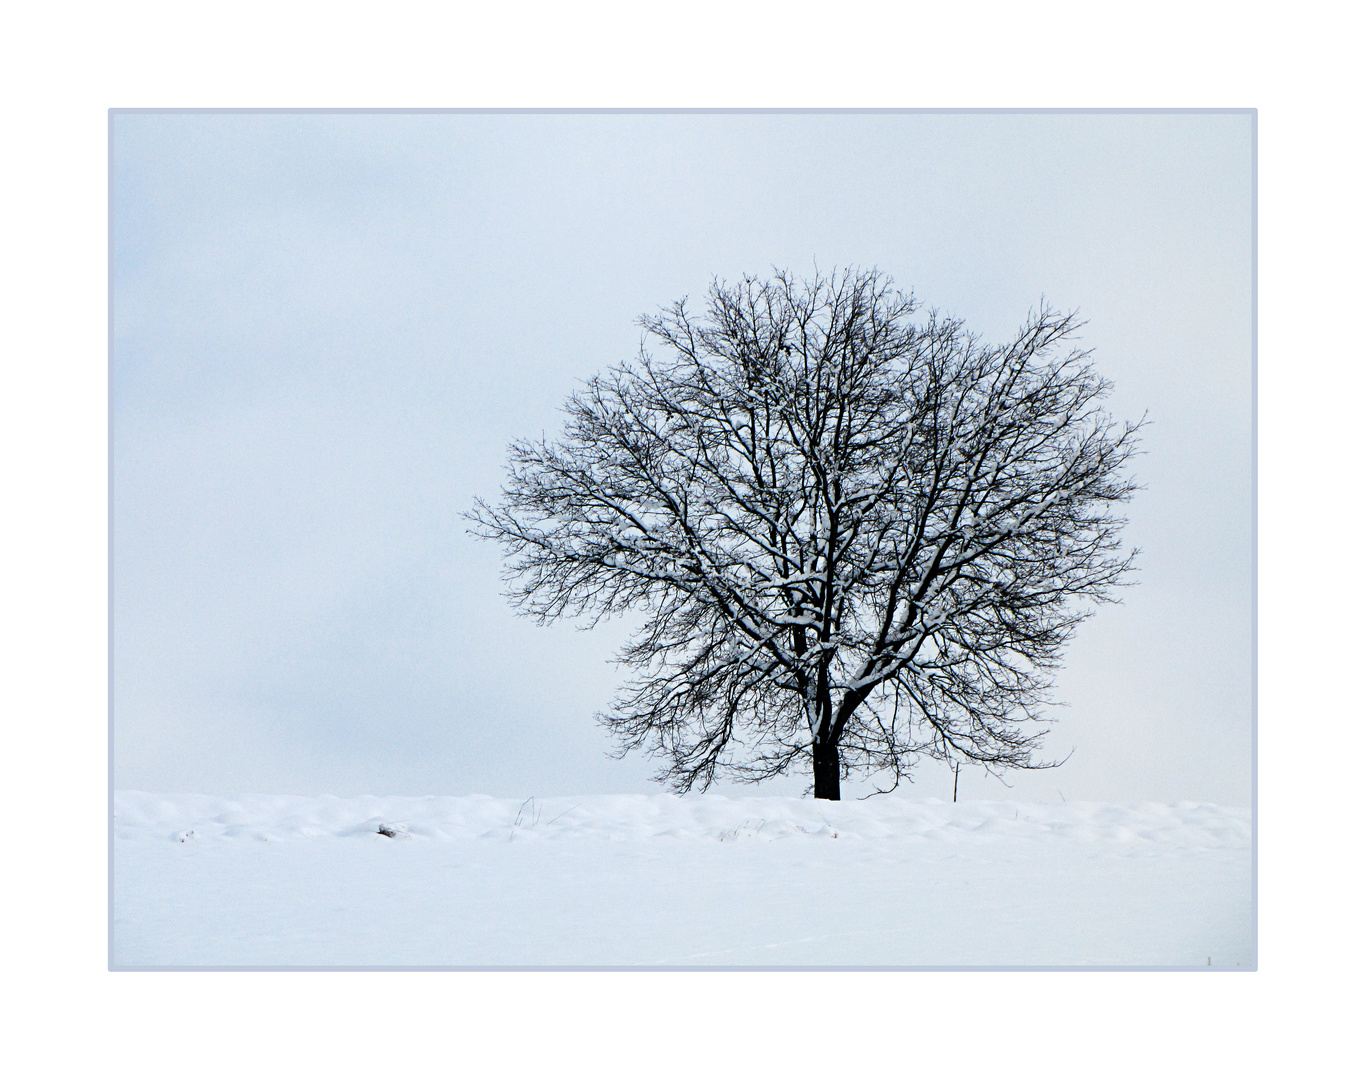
point(666, 881)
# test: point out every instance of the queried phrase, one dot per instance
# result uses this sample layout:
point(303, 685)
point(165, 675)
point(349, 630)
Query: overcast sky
point(327, 328)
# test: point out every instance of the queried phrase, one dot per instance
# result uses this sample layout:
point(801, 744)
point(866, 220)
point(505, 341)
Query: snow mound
point(668, 881)
point(202, 818)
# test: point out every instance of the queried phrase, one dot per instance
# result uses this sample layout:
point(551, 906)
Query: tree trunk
point(825, 761)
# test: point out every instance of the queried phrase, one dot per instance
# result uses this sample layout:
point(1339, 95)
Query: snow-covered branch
point(852, 535)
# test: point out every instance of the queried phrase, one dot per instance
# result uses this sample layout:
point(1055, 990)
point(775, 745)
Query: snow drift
point(667, 881)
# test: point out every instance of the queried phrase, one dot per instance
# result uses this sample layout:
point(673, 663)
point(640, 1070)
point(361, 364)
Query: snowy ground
point(661, 880)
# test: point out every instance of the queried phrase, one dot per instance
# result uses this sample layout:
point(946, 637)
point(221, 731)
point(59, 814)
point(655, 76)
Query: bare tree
point(855, 539)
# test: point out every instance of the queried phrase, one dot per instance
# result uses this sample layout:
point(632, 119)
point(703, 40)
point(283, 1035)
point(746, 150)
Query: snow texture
point(664, 880)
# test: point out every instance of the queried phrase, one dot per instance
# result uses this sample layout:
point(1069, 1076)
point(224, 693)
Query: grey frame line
point(1254, 539)
point(679, 111)
point(688, 111)
point(109, 513)
point(531, 968)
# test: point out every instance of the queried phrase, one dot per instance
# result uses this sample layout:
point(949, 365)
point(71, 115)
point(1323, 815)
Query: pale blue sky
point(328, 327)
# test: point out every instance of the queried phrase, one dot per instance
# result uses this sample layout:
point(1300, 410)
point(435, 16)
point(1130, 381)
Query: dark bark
point(825, 761)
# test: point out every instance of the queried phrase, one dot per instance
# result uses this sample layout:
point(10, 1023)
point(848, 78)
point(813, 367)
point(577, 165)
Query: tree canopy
point(856, 537)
